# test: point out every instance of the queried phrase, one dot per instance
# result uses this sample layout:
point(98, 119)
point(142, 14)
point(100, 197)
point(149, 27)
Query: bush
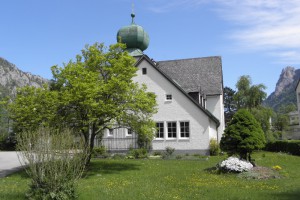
point(138, 153)
point(99, 152)
point(157, 153)
point(287, 146)
point(233, 164)
point(55, 163)
point(214, 148)
point(7, 142)
point(118, 156)
point(168, 152)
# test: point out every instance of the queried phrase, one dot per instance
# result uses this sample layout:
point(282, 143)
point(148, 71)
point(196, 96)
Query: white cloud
point(266, 25)
point(260, 25)
point(287, 57)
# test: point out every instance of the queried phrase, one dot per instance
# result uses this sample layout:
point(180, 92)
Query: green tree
point(281, 119)
point(280, 122)
point(243, 135)
point(89, 95)
point(249, 96)
point(285, 109)
point(34, 107)
point(229, 104)
point(263, 116)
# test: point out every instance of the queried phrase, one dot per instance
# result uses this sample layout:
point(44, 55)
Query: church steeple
point(135, 38)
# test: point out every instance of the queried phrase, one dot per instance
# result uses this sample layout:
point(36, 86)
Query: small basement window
point(168, 97)
point(144, 70)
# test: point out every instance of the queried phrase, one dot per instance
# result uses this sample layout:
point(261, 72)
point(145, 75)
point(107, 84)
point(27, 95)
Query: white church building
point(189, 97)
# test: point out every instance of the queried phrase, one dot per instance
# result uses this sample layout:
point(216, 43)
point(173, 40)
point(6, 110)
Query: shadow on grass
point(18, 171)
point(109, 167)
point(290, 195)
point(12, 195)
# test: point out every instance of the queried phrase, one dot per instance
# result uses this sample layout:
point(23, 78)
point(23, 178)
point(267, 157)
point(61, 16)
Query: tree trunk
point(90, 142)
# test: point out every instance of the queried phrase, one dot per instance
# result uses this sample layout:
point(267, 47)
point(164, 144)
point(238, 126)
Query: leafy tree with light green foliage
point(34, 107)
point(89, 95)
point(281, 120)
point(243, 135)
point(249, 96)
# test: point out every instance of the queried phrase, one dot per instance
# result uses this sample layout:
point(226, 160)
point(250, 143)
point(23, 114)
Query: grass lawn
point(173, 179)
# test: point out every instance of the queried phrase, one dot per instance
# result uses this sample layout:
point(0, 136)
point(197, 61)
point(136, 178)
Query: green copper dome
point(135, 38)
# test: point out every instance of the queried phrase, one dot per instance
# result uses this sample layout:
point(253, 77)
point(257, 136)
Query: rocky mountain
point(11, 78)
point(284, 93)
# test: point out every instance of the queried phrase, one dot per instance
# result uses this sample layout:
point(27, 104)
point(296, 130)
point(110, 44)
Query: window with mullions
point(168, 97)
point(172, 129)
point(184, 129)
point(159, 130)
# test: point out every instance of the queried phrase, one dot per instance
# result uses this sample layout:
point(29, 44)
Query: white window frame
point(172, 131)
point(129, 132)
point(184, 131)
point(163, 131)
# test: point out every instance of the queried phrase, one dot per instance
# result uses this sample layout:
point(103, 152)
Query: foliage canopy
point(249, 96)
point(89, 95)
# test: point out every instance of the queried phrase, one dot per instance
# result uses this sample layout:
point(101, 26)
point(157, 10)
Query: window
point(129, 132)
point(144, 70)
point(110, 132)
point(184, 129)
point(172, 129)
point(159, 130)
point(168, 97)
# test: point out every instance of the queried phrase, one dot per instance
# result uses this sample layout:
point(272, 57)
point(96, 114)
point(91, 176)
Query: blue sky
point(254, 37)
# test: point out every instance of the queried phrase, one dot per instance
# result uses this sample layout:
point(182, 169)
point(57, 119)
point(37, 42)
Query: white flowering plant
point(233, 164)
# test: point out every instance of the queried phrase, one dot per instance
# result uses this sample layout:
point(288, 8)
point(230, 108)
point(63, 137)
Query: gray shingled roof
point(196, 74)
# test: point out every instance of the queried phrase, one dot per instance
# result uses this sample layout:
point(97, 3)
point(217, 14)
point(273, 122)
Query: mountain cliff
point(284, 93)
point(11, 78)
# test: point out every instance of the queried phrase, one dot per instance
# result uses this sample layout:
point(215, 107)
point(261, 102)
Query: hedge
point(287, 146)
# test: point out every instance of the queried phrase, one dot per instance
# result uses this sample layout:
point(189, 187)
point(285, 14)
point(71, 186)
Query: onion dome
point(135, 38)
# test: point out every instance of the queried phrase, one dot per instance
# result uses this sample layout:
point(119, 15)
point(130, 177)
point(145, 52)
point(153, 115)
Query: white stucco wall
point(179, 109)
point(214, 104)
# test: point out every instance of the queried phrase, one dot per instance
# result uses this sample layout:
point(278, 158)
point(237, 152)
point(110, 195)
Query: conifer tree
point(243, 135)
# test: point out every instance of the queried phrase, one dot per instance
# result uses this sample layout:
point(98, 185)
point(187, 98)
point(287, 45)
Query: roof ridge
point(190, 58)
